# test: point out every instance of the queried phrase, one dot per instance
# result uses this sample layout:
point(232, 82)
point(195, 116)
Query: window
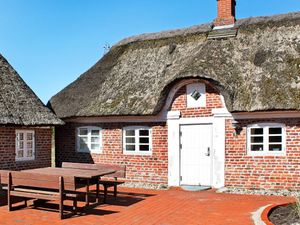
point(25, 146)
point(266, 139)
point(137, 140)
point(89, 139)
point(196, 96)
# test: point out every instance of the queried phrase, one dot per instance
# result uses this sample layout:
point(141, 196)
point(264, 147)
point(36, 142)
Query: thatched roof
point(257, 70)
point(18, 103)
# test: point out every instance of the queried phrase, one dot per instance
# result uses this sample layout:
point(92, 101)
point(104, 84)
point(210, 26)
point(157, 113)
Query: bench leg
point(115, 191)
point(105, 193)
point(97, 191)
point(75, 206)
point(87, 201)
point(61, 208)
point(9, 202)
point(9, 188)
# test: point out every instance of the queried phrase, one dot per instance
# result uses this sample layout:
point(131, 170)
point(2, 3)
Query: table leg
point(87, 192)
point(97, 190)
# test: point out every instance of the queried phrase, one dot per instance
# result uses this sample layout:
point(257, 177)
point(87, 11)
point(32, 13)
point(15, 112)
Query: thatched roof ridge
point(18, 103)
point(204, 28)
point(258, 70)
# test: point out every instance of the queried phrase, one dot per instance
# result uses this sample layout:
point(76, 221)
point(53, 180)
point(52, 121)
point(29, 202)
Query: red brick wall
point(147, 169)
point(251, 172)
point(7, 149)
point(139, 168)
point(213, 100)
point(263, 172)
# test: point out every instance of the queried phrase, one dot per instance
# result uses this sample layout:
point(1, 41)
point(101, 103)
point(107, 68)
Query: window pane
point(20, 154)
point(95, 132)
point(144, 147)
point(256, 147)
point(20, 144)
point(83, 140)
point(144, 140)
point(29, 136)
point(20, 136)
point(29, 144)
point(95, 139)
point(83, 131)
point(130, 147)
point(275, 130)
point(83, 143)
point(275, 139)
point(259, 139)
point(257, 131)
point(144, 132)
point(130, 140)
point(275, 147)
point(95, 146)
point(83, 147)
point(29, 153)
point(130, 133)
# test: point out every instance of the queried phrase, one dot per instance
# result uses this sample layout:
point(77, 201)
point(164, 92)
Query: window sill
point(90, 152)
point(138, 153)
point(273, 154)
point(24, 159)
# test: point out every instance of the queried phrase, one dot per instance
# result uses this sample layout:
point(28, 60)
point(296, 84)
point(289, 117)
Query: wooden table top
point(79, 173)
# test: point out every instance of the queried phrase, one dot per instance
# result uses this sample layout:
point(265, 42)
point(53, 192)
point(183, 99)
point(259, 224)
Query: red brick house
point(215, 104)
point(25, 123)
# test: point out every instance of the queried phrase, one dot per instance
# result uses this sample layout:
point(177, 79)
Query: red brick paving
point(139, 206)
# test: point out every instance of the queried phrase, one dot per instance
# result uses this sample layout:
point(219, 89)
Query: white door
point(195, 154)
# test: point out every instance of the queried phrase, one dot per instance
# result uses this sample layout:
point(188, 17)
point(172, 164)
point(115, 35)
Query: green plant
point(297, 206)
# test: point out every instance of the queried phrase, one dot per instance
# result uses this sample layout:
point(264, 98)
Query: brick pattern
point(226, 13)
point(179, 103)
point(149, 207)
point(139, 168)
point(7, 149)
point(251, 172)
point(263, 172)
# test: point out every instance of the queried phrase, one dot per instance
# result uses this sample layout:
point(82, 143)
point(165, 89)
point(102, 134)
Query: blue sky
point(51, 42)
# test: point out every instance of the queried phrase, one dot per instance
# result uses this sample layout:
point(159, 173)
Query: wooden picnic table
point(77, 173)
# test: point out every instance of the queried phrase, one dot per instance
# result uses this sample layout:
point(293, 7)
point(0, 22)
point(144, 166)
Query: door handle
point(208, 151)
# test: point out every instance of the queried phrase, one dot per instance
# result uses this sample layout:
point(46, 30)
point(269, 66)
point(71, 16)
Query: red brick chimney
point(226, 13)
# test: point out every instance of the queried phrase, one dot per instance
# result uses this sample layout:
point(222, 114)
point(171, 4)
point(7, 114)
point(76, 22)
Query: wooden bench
point(110, 180)
point(39, 186)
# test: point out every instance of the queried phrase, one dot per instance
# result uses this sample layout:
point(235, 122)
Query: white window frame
point(25, 149)
point(266, 151)
point(137, 149)
point(89, 136)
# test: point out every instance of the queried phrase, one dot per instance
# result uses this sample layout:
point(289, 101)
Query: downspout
point(53, 161)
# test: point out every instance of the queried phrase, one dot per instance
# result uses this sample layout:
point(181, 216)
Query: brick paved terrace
point(140, 206)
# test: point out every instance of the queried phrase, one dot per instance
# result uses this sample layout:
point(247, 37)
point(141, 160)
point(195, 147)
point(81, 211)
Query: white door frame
point(210, 156)
point(218, 144)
